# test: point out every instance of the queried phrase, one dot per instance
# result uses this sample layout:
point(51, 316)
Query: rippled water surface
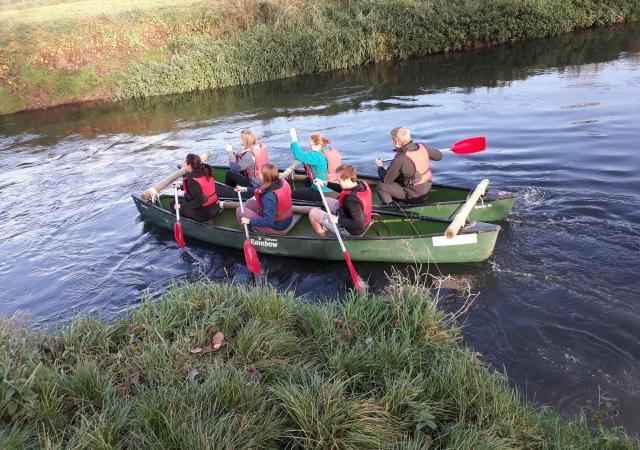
point(558, 307)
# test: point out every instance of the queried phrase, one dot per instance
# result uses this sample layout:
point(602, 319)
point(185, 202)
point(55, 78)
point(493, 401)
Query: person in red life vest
point(244, 167)
point(271, 209)
point(320, 163)
point(351, 211)
point(408, 178)
point(200, 199)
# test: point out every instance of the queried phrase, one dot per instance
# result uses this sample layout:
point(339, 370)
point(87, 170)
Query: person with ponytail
point(271, 209)
point(200, 198)
point(320, 163)
point(244, 167)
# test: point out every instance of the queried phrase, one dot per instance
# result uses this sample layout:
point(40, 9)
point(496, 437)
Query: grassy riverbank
point(57, 51)
point(377, 372)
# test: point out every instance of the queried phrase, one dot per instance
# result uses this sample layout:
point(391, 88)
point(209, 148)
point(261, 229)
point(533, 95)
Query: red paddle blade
point(177, 233)
point(352, 271)
point(471, 145)
point(251, 257)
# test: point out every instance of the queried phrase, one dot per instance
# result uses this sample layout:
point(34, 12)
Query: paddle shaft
point(246, 228)
point(352, 270)
point(175, 193)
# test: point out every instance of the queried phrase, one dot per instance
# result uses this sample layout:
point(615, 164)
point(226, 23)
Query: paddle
point(177, 228)
point(250, 254)
point(347, 258)
point(464, 147)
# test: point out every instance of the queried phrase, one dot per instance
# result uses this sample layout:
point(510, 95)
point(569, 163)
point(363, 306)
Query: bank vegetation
point(226, 366)
point(60, 51)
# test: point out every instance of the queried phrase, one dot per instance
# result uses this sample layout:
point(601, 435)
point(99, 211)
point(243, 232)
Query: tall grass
point(335, 35)
point(365, 372)
point(60, 52)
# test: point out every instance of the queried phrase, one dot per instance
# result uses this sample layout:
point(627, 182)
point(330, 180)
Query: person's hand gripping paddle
point(250, 253)
point(352, 270)
point(177, 228)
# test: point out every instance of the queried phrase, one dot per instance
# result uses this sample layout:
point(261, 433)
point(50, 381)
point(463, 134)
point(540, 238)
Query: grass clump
point(366, 372)
point(65, 51)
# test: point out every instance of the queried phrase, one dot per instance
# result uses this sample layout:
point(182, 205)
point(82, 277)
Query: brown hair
point(401, 134)
point(248, 138)
point(196, 163)
point(347, 172)
point(319, 139)
point(269, 175)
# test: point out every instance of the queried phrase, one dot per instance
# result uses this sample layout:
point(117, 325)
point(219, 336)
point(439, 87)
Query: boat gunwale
point(476, 227)
point(490, 195)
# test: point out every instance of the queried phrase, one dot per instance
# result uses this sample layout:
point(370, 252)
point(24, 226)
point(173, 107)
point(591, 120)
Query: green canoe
point(442, 201)
point(391, 237)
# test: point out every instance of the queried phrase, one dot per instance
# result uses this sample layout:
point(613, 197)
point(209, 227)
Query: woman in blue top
point(321, 163)
point(270, 211)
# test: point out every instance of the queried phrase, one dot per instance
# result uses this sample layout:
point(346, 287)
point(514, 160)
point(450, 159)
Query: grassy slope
point(366, 373)
point(55, 52)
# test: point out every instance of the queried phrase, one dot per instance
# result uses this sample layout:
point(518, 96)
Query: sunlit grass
point(364, 372)
point(37, 12)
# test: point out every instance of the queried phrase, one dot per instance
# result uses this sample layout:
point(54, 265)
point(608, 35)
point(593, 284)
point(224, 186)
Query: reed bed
point(226, 366)
point(56, 52)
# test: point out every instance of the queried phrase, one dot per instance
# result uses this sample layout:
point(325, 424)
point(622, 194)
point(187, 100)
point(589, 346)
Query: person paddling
point(244, 167)
point(271, 209)
point(351, 211)
point(200, 198)
point(320, 163)
point(408, 178)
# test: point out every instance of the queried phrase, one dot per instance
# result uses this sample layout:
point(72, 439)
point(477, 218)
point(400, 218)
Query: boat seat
point(294, 220)
point(366, 229)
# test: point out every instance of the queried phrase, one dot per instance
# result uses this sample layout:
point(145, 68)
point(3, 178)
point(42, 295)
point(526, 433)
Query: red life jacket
point(260, 156)
point(333, 162)
point(364, 197)
point(420, 160)
point(284, 210)
point(208, 188)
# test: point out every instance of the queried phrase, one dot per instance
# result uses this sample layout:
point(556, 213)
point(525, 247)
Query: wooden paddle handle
point(162, 184)
point(290, 170)
point(461, 217)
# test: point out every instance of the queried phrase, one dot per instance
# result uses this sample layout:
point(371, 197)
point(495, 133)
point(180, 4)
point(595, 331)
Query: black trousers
point(234, 179)
point(311, 195)
point(200, 214)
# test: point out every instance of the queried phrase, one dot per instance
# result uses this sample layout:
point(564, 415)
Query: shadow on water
point(558, 304)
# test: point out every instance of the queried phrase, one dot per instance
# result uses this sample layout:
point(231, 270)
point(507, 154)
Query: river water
point(558, 307)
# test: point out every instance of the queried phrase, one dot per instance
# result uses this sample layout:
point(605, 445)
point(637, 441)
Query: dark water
point(558, 307)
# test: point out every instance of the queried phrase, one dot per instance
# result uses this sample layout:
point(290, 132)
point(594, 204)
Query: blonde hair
point(269, 175)
point(248, 138)
point(347, 172)
point(319, 139)
point(401, 134)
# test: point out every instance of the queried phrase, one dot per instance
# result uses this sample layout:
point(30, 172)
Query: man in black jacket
point(408, 178)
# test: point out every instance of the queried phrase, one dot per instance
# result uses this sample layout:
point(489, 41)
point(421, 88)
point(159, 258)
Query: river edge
point(364, 371)
point(137, 54)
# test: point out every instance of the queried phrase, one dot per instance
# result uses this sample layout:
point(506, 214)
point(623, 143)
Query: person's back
point(245, 166)
point(271, 209)
point(200, 198)
point(352, 211)
point(408, 178)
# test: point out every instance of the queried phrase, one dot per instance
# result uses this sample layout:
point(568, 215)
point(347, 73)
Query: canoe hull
point(474, 244)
